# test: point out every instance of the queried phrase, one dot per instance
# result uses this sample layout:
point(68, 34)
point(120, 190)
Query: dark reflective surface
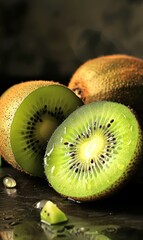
point(118, 217)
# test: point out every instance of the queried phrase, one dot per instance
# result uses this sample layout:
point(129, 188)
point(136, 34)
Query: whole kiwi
point(30, 111)
point(115, 77)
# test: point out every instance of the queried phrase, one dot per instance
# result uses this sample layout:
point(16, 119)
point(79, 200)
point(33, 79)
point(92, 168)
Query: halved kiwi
point(10, 100)
point(94, 151)
point(32, 122)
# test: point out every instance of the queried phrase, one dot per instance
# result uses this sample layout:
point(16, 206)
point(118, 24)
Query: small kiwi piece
point(52, 214)
point(26, 126)
point(116, 77)
point(94, 151)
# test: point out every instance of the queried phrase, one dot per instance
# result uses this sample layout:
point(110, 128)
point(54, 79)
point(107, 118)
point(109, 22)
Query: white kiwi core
point(91, 148)
point(46, 127)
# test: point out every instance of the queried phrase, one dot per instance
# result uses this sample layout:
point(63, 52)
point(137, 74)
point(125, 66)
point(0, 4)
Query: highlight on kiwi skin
point(94, 151)
point(35, 119)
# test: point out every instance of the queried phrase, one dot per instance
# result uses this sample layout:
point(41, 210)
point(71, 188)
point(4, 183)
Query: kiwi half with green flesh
point(115, 77)
point(94, 151)
point(10, 100)
point(33, 122)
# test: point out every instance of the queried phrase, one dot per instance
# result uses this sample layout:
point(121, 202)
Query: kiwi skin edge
point(10, 100)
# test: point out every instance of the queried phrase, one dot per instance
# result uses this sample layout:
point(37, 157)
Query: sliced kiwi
point(94, 151)
point(34, 121)
point(52, 214)
point(10, 101)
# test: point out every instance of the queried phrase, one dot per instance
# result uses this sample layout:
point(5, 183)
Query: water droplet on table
point(40, 204)
point(9, 182)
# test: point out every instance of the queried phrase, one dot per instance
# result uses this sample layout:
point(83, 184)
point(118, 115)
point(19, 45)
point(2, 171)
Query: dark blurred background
point(49, 39)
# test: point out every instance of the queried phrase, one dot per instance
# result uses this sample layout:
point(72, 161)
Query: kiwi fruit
point(115, 77)
point(52, 214)
point(30, 111)
point(94, 151)
point(10, 100)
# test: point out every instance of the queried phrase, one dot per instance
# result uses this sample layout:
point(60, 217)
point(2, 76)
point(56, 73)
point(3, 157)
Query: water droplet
point(9, 182)
point(52, 170)
point(129, 142)
point(8, 217)
point(120, 166)
point(108, 180)
point(11, 191)
point(40, 204)
point(87, 185)
point(65, 130)
point(124, 116)
point(61, 139)
point(50, 151)
point(73, 200)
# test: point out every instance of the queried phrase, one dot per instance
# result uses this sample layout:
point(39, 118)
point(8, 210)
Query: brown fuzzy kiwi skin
point(115, 77)
point(10, 100)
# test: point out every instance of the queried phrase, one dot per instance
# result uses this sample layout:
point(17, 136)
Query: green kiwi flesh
point(52, 214)
point(36, 118)
point(94, 151)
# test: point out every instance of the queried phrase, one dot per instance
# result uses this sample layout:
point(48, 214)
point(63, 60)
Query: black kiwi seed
point(92, 161)
point(77, 137)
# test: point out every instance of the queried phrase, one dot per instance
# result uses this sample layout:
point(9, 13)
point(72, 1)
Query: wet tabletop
point(118, 217)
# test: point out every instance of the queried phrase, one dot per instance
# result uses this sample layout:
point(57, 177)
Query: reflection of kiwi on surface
point(28, 230)
point(115, 77)
point(86, 236)
point(30, 111)
point(94, 151)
